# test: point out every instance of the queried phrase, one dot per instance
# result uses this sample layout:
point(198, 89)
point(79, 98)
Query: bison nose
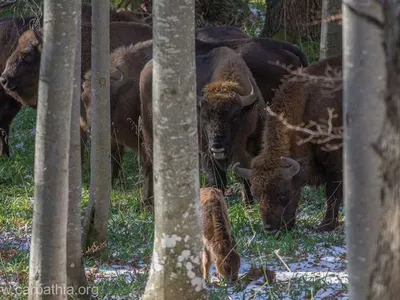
point(218, 151)
point(270, 230)
point(7, 84)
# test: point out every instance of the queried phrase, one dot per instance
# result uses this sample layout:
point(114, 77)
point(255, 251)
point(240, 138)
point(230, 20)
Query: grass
point(131, 229)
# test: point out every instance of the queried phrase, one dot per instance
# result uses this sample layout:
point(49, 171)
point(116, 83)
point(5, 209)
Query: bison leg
point(117, 152)
point(147, 195)
point(334, 194)
point(206, 263)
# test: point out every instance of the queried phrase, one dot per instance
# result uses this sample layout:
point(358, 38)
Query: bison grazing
point(11, 28)
point(283, 167)
point(219, 244)
point(125, 66)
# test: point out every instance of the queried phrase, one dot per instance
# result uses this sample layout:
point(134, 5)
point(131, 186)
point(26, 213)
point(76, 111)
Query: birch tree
point(331, 31)
point(175, 270)
point(363, 86)
point(75, 270)
point(96, 218)
point(47, 267)
point(385, 278)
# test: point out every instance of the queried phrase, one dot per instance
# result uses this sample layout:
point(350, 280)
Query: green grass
point(131, 229)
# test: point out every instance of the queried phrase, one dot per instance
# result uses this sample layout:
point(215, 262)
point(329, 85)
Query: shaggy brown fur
point(301, 101)
point(10, 30)
point(126, 63)
point(219, 244)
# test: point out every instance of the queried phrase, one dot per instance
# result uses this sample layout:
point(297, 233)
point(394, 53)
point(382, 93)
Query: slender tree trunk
point(96, 220)
point(385, 278)
point(364, 83)
point(331, 31)
point(49, 233)
point(176, 266)
point(75, 270)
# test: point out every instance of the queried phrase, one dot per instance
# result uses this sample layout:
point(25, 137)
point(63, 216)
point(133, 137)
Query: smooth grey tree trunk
point(331, 31)
point(363, 87)
point(75, 271)
point(176, 265)
point(385, 278)
point(96, 219)
point(47, 267)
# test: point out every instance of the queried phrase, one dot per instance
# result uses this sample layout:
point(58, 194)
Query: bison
point(219, 243)
point(11, 28)
point(283, 166)
point(245, 144)
point(21, 75)
point(126, 62)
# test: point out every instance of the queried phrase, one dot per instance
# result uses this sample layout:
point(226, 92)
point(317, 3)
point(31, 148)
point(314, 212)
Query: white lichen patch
point(168, 241)
point(198, 283)
point(186, 238)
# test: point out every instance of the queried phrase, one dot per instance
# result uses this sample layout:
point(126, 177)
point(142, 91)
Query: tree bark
point(96, 219)
point(292, 19)
point(363, 87)
point(385, 277)
point(176, 265)
point(75, 271)
point(331, 31)
point(47, 275)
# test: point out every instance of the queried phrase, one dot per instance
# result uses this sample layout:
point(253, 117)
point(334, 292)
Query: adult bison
point(21, 75)
point(11, 29)
point(283, 166)
point(126, 62)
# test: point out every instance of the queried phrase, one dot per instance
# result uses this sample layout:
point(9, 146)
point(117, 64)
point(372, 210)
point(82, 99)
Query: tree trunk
point(96, 220)
point(331, 31)
point(292, 19)
point(49, 230)
point(363, 85)
point(385, 277)
point(176, 265)
point(75, 270)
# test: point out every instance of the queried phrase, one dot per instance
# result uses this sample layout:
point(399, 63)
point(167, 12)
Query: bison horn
point(242, 172)
point(38, 35)
point(248, 99)
point(293, 169)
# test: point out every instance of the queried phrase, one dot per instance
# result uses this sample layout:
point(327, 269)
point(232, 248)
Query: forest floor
point(308, 265)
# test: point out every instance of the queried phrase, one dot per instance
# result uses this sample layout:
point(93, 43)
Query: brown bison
point(224, 132)
point(283, 166)
point(11, 28)
point(21, 75)
point(125, 65)
point(219, 243)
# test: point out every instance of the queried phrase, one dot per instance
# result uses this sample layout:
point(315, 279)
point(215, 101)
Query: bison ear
point(293, 168)
point(38, 32)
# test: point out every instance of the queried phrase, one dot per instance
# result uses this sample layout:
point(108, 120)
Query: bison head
point(276, 192)
point(228, 266)
point(20, 77)
point(222, 111)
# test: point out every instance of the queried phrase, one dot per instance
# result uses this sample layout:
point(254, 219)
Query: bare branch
point(4, 4)
point(324, 133)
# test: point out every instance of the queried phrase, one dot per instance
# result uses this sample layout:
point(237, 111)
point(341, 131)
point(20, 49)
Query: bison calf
point(219, 244)
point(283, 166)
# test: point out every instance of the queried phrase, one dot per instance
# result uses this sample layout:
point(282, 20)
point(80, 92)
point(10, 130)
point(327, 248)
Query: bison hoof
point(327, 225)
